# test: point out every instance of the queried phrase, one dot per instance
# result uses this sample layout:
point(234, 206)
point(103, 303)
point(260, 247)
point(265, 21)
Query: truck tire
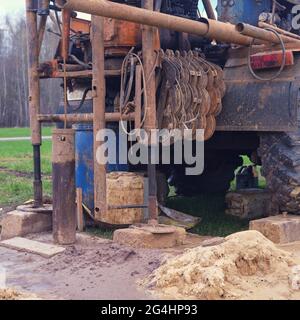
point(280, 157)
point(217, 176)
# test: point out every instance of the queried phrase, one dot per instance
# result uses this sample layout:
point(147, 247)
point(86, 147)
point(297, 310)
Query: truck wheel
point(216, 178)
point(280, 156)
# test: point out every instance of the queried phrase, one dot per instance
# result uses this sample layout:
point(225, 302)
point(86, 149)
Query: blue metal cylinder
point(84, 157)
point(235, 11)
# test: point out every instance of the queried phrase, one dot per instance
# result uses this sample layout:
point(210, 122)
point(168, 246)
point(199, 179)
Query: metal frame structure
point(209, 28)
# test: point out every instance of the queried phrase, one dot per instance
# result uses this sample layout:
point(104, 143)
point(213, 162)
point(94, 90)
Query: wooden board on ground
point(22, 244)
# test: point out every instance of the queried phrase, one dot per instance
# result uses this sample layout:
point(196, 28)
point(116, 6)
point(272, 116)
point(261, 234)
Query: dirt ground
point(94, 268)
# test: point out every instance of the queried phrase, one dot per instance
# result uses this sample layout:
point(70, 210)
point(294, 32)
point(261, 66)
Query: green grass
point(100, 232)
point(17, 155)
point(14, 190)
point(211, 209)
point(21, 132)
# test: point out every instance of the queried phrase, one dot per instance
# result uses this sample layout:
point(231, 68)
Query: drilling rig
point(162, 65)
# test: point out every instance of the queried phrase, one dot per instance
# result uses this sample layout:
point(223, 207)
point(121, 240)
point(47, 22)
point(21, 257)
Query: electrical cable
point(282, 63)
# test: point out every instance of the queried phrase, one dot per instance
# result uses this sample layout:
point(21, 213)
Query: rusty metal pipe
point(66, 28)
point(149, 60)
point(264, 35)
point(84, 117)
point(34, 97)
point(223, 32)
point(209, 9)
point(99, 89)
point(281, 31)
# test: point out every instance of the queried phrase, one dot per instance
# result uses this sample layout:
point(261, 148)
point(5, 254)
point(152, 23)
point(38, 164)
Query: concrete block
point(248, 203)
point(139, 238)
point(19, 223)
point(43, 249)
point(279, 229)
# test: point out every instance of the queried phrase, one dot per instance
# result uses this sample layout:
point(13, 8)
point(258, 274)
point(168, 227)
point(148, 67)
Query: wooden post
point(149, 59)
point(64, 194)
point(80, 218)
point(99, 123)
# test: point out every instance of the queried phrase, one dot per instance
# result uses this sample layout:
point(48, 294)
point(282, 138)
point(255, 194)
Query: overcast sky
point(11, 6)
point(14, 7)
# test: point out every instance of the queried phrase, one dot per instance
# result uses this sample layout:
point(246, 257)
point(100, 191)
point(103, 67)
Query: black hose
point(81, 102)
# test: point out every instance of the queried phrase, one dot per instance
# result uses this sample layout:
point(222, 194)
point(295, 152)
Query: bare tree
point(13, 75)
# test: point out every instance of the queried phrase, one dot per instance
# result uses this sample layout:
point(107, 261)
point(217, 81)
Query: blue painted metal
point(247, 11)
point(85, 164)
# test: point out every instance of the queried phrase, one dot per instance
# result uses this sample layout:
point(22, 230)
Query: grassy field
point(16, 166)
point(16, 186)
point(21, 132)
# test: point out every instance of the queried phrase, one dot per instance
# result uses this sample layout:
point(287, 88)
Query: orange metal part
point(119, 35)
point(80, 25)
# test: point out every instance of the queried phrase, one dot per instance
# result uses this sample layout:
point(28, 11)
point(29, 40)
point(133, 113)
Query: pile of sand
point(11, 294)
point(245, 266)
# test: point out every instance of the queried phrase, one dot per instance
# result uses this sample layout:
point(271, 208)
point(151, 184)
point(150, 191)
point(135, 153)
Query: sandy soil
point(245, 266)
point(11, 294)
point(96, 269)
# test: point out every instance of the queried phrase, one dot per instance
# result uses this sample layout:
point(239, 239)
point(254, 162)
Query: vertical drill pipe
point(64, 191)
point(66, 18)
point(34, 97)
point(99, 123)
point(209, 9)
point(149, 60)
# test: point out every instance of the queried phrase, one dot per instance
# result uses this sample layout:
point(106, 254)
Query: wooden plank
point(80, 219)
point(22, 244)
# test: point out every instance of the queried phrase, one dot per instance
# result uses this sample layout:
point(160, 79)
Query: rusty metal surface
point(55, 69)
point(84, 117)
point(33, 77)
point(64, 194)
point(34, 97)
point(149, 62)
point(251, 105)
point(190, 93)
point(99, 90)
point(281, 31)
point(208, 28)
point(66, 20)
point(120, 36)
point(262, 34)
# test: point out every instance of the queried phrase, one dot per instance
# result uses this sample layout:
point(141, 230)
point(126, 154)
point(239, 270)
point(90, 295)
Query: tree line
point(13, 73)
